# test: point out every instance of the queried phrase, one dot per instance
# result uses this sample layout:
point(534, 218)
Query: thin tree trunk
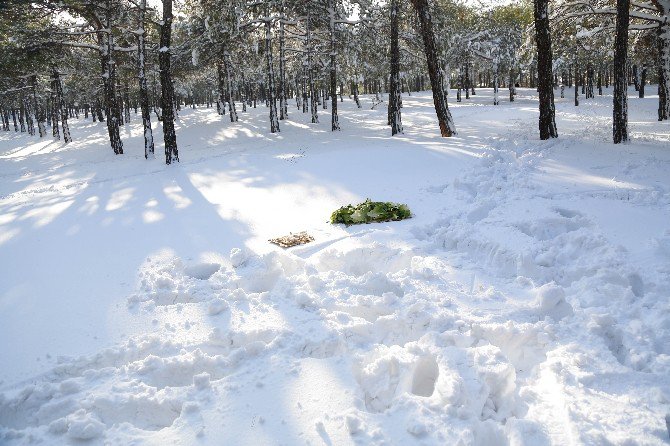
point(5, 119)
point(312, 90)
point(496, 81)
point(447, 127)
point(356, 98)
point(620, 118)
point(576, 87)
point(29, 117)
point(221, 101)
point(600, 82)
point(394, 116)
point(663, 46)
point(335, 122)
point(106, 39)
point(39, 111)
point(229, 84)
point(466, 82)
point(55, 132)
point(22, 115)
point(274, 121)
point(283, 106)
point(60, 105)
point(149, 150)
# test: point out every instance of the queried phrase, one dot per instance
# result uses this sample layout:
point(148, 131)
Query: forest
point(134, 56)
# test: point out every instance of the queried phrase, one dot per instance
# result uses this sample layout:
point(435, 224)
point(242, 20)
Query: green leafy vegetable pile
point(370, 211)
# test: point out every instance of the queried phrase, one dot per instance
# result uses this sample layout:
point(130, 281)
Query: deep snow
point(526, 303)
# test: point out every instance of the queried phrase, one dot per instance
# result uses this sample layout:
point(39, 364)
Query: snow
point(525, 303)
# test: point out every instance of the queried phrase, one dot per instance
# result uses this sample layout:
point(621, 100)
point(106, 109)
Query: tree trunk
point(643, 80)
point(576, 87)
point(356, 98)
point(5, 119)
point(63, 113)
point(335, 122)
point(496, 81)
point(663, 39)
point(312, 90)
point(544, 71)
point(221, 101)
point(39, 111)
point(22, 115)
point(447, 127)
point(55, 132)
point(600, 82)
point(274, 121)
point(394, 117)
point(126, 104)
point(29, 117)
point(620, 118)
point(167, 89)
point(283, 106)
point(61, 107)
point(106, 39)
point(142, 80)
point(229, 84)
point(466, 82)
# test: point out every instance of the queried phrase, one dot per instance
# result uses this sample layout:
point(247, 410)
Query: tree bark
point(229, 86)
point(55, 132)
point(221, 101)
point(312, 90)
point(149, 149)
point(544, 71)
point(576, 87)
point(394, 116)
point(39, 111)
point(106, 39)
point(620, 118)
point(447, 127)
point(60, 105)
point(496, 82)
point(663, 46)
point(167, 89)
point(335, 122)
point(274, 121)
point(283, 106)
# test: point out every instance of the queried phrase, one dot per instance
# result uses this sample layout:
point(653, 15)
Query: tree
point(167, 89)
point(142, 81)
point(394, 117)
point(544, 71)
point(620, 121)
point(447, 127)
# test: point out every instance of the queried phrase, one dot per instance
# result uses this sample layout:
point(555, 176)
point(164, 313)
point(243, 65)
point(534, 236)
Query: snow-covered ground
point(526, 303)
